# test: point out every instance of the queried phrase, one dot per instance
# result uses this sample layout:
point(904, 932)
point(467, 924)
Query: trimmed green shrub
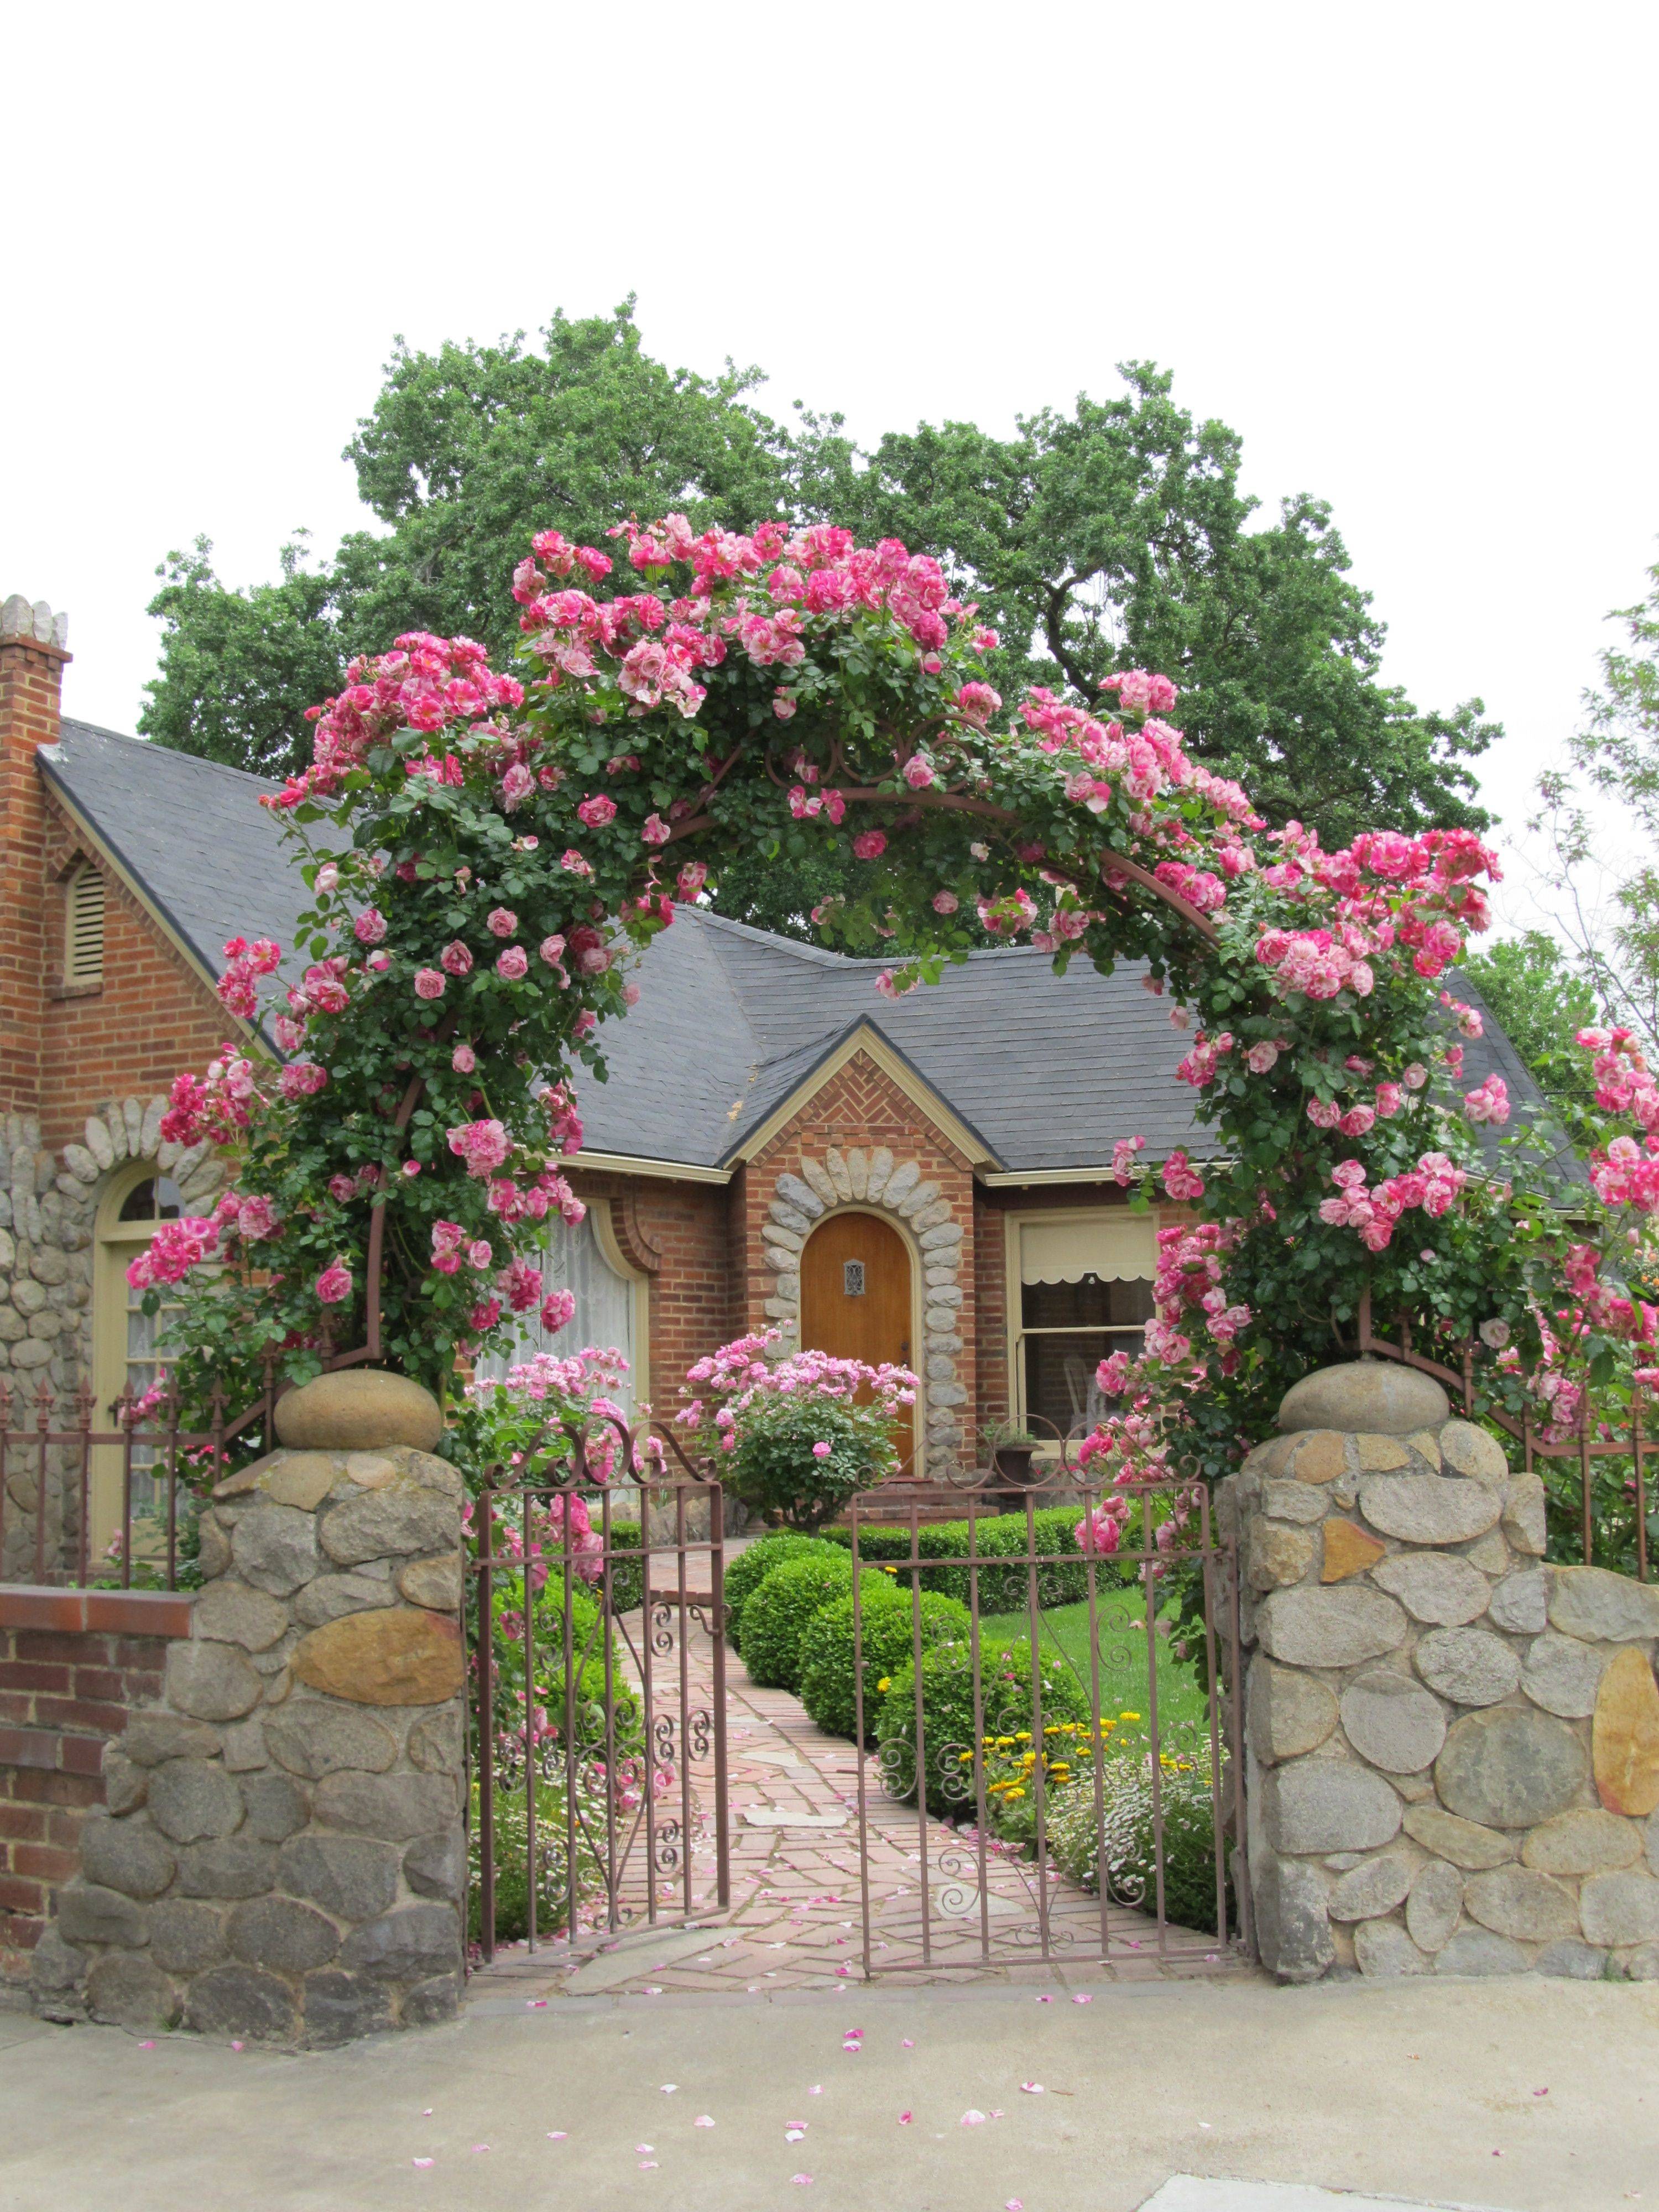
point(775, 1618)
point(952, 1740)
point(1001, 1589)
point(886, 1640)
point(1188, 1811)
point(626, 1575)
point(749, 1569)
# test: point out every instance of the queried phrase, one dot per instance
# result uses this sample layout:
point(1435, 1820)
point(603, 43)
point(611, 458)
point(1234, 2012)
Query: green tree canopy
point(1541, 1000)
point(1112, 538)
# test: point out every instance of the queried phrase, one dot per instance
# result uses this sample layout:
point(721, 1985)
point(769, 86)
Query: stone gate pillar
point(1452, 1750)
point(282, 1855)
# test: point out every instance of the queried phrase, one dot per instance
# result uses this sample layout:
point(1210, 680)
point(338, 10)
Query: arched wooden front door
point(855, 1301)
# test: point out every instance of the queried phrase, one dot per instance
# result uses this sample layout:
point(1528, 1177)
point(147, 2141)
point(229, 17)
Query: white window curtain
point(575, 1261)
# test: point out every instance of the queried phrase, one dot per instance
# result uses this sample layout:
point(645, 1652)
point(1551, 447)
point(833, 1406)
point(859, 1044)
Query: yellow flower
point(1128, 1717)
point(1016, 1793)
point(890, 1570)
point(886, 1683)
point(1022, 1736)
point(964, 1759)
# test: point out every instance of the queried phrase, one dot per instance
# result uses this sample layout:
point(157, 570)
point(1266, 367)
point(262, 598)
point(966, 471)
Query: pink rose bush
point(799, 1432)
point(490, 853)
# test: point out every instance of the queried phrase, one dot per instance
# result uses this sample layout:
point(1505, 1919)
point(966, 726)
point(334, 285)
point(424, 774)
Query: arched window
point(83, 926)
point(123, 1336)
point(611, 1304)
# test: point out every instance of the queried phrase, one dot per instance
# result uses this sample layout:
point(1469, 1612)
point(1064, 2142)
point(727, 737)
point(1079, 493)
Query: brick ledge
point(109, 1612)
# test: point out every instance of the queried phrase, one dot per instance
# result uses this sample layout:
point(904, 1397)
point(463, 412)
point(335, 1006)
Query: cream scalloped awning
point(1117, 1249)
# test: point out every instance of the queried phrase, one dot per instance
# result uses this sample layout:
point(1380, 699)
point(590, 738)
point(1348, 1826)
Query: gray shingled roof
point(1048, 1070)
point(189, 832)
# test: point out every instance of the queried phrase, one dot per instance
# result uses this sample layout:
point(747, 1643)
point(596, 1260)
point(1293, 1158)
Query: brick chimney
point(33, 651)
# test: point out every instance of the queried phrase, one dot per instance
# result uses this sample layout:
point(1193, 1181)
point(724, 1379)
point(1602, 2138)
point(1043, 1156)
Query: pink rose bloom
point(1357, 1120)
point(513, 964)
point(574, 865)
point(1415, 1076)
point(478, 1254)
point(1260, 1057)
point(341, 1188)
point(585, 1024)
point(1324, 1113)
point(378, 962)
point(455, 959)
point(256, 1217)
point(411, 1169)
point(782, 705)
point(977, 702)
point(918, 772)
point(333, 1286)
point(501, 923)
point(1389, 1100)
point(301, 1079)
point(870, 845)
point(516, 785)
point(597, 812)
point(552, 950)
point(463, 1060)
point(558, 1308)
point(945, 901)
point(429, 984)
point(692, 877)
point(369, 927)
point(656, 830)
point(820, 1451)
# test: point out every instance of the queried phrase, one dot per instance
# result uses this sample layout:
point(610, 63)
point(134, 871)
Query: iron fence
point(1046, 1734)
point(598, 1762)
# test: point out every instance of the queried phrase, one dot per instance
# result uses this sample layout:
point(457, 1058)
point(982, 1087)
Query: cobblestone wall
point(282, 1855)
point(49, 1205)
point(1452, 1755)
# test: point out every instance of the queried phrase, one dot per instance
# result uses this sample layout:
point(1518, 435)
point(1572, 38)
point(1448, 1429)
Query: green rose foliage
point(889, 1624)
point(748, 1569)
point(952, 1730)
point(775, 1616)
point(773, 1469)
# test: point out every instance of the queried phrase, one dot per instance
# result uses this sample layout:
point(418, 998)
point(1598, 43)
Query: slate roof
point(1048, 1071)
point(188, 832)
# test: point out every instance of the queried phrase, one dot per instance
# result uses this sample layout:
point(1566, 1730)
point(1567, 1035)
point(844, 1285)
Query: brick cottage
point(924, 1180)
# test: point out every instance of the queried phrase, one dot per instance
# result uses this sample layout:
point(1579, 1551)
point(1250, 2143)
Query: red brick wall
point(150, 1018)
point(65, 1691)
point(30, 675)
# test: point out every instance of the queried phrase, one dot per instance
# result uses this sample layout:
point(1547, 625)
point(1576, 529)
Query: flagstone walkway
point(795, 1919)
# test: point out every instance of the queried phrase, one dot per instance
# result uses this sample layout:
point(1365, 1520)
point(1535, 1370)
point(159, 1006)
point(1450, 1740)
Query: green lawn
point(1120, 1615)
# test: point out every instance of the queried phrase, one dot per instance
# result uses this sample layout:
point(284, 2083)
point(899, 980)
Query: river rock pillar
point(1451, 1749)
point(283, 1855)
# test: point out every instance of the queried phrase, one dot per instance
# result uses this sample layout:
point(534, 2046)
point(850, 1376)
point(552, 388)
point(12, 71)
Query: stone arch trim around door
point(880, 1182)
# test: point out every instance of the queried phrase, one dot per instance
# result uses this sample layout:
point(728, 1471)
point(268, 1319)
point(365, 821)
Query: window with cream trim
point(1079, 1288)
point(612, 1303)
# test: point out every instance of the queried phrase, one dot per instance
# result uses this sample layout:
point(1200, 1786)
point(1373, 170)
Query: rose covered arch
point(490, 854)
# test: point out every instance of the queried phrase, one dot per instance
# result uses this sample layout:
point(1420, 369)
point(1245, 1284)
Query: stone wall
point(48, 1205)
point(282, 1855)
point(1452, 1749)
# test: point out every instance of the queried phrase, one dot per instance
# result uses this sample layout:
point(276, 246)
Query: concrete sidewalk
point(1532, 2096)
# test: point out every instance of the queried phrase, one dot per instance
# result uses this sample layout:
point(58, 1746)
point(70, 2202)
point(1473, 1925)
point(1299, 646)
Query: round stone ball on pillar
point(1364, 1397)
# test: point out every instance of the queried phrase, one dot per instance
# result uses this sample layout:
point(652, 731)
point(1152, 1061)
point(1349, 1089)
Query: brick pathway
point(795, 1920)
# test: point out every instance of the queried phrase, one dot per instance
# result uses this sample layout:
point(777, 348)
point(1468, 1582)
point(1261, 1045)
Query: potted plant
point(1012, 1445)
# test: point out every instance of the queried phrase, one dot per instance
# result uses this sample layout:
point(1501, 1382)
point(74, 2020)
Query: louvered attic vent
point(84, 961)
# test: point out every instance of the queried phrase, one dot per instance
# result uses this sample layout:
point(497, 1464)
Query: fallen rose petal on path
point(420, 2161)
point(905, 2118)
point(801, 2180)
point(556, 2134)
point(703, 2120)
point(1032, 2088)
point(971, 2119)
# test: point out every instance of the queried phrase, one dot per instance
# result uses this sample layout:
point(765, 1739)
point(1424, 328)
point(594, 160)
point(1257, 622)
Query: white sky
point(1402, 250)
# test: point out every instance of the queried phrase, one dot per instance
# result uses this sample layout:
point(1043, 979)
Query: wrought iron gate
point(1063, 1786)
point(597, 1754)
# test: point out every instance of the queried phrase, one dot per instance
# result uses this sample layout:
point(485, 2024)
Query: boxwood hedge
point(748, 1569)
point(952, 1740)
point(886, 1641)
